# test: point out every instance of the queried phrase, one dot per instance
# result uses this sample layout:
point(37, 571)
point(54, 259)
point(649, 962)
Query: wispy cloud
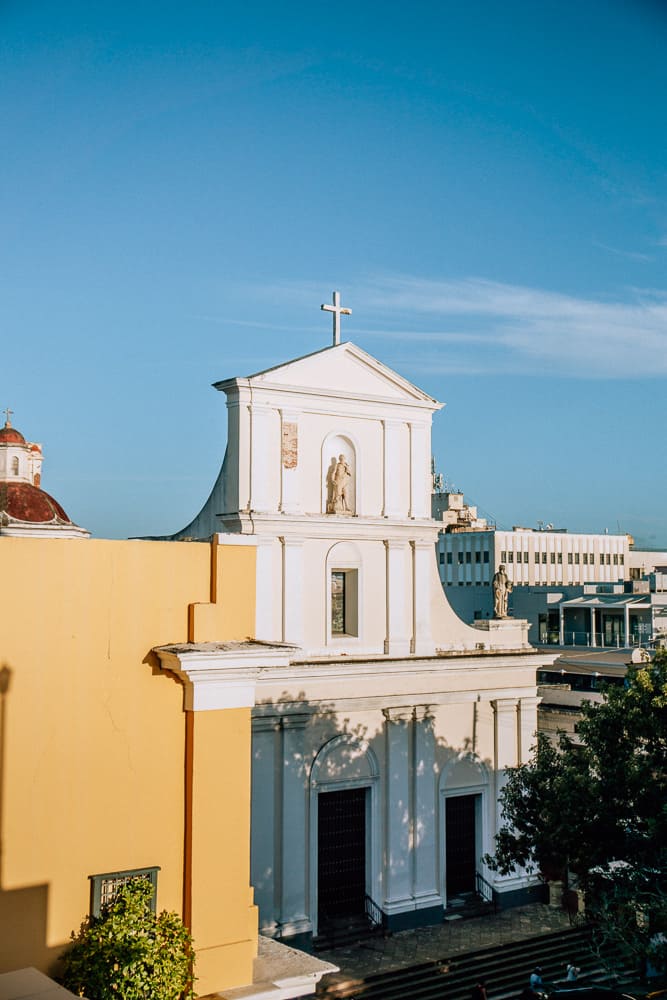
point(628, 254)
point(531, 329)
point(479, 326)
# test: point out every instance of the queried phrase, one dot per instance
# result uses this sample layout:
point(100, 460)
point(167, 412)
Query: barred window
point(104, 887)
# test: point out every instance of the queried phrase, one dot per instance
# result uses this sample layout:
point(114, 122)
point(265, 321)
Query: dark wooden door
point(460, 838)
point(341, 854)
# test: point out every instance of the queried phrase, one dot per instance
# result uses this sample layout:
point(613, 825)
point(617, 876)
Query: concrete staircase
point(506, 969)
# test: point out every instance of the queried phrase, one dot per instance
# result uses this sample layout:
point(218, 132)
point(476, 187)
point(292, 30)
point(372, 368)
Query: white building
point(26, 510)
point(573, 588)
point(382, 729)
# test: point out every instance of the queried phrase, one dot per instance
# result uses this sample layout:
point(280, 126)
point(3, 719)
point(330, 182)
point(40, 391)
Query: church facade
point(382, 731)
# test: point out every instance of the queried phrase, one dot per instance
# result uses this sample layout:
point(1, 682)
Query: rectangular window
point(576, 558)
point(449, 558)
point(104, 887)
point(460, 558)
point(608, 558)
point(552, 558)
point(503, 557)
point(544, 557)
point(602, 558)
point(569, 558)
point(615, 558)
point(525, 557)
point(585, 558)
point(537, 557)
point(337, 603)
point(344, 602)
point(621, 558)
point(468, 557)
point(510, 557)
point(486, 557)
point(442, 557)
point(478, 556)
point(560, 558)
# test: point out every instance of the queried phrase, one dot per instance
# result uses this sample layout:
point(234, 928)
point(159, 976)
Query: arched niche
point(344, 590)
point(343, 766)
point(340, 487)
point(346, 761)
point(462, 773)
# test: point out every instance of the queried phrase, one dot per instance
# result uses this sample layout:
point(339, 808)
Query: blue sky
point(184, 185)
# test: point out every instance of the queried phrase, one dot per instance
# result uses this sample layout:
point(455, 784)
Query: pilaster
point(290, 499)
point(398, 869)
point(397, 641)
point(392, 468)
point(293, 884)
point(425, 887)
point(423, 555)
point(293, 576)
point(260, 458)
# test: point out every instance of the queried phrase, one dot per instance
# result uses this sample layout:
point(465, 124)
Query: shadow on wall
point(23, 911)
point(310, 748)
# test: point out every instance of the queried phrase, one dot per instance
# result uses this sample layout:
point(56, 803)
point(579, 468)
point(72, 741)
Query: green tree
point(574, 808)
point(128, 952)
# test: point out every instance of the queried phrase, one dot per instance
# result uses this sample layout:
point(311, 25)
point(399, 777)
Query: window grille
point(104, 887)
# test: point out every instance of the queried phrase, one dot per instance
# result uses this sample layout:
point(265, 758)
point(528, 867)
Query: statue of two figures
point(339, 479)
point(502, 588)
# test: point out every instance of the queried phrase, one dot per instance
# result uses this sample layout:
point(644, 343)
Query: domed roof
point(27, 503)
point(9, 435)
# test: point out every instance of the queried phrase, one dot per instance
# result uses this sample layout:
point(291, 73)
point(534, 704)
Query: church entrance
point(461, 851)
point(341, 855)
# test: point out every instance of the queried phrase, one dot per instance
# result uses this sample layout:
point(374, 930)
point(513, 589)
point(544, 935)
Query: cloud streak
point(530, 329)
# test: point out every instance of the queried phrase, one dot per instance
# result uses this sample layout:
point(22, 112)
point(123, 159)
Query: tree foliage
point(128, 952)
point(576, 807)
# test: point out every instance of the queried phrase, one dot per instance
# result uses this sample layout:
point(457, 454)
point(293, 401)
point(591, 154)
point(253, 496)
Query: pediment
point(346, 369)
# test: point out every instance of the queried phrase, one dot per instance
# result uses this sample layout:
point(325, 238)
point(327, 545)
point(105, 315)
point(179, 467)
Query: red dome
point(9, 435)
point(25, 502)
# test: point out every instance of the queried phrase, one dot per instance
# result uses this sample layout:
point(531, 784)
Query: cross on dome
point(8, 413)
point(337, 311)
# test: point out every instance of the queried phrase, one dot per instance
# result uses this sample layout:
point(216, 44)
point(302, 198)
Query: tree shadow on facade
point(392, 759)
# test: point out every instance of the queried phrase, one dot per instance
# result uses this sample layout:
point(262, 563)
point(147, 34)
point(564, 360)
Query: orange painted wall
point(92, 735)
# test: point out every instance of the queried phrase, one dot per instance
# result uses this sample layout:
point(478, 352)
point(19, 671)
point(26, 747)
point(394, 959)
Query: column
point(561, 625)
point(397, 866)
point(593, 639)
point(260, 458)
point(527, 727)
point(292, 832)
point(423, 554)
point(292, 590)
point(392, 469)
point(265, 588)
point(265, 866)
point(420, 495)
point(290, 500)
point(397, 641)
point(425, 877)
point(506, 751)
point(626, 620)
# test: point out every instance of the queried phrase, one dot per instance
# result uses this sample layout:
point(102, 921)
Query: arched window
point(15, 466)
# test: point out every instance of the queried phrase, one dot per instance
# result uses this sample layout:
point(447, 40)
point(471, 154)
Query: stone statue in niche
point(502, 588)
point(339, 481)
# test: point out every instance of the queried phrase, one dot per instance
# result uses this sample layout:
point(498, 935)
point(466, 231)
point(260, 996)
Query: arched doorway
point(463, 803)
point(343, 841)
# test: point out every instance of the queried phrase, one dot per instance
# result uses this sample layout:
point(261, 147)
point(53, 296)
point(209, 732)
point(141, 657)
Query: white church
point(382, 722)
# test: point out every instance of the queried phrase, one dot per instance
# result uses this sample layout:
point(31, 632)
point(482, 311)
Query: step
point(499, 963)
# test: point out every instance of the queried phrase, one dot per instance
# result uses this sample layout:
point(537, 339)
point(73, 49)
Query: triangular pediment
point(346, 369)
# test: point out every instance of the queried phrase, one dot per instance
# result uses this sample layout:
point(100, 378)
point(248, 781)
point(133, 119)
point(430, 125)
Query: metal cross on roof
point(8, 413)
point(337, 311)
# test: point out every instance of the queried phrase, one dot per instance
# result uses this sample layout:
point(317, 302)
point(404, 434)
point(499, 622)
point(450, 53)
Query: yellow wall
point(92, 735)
